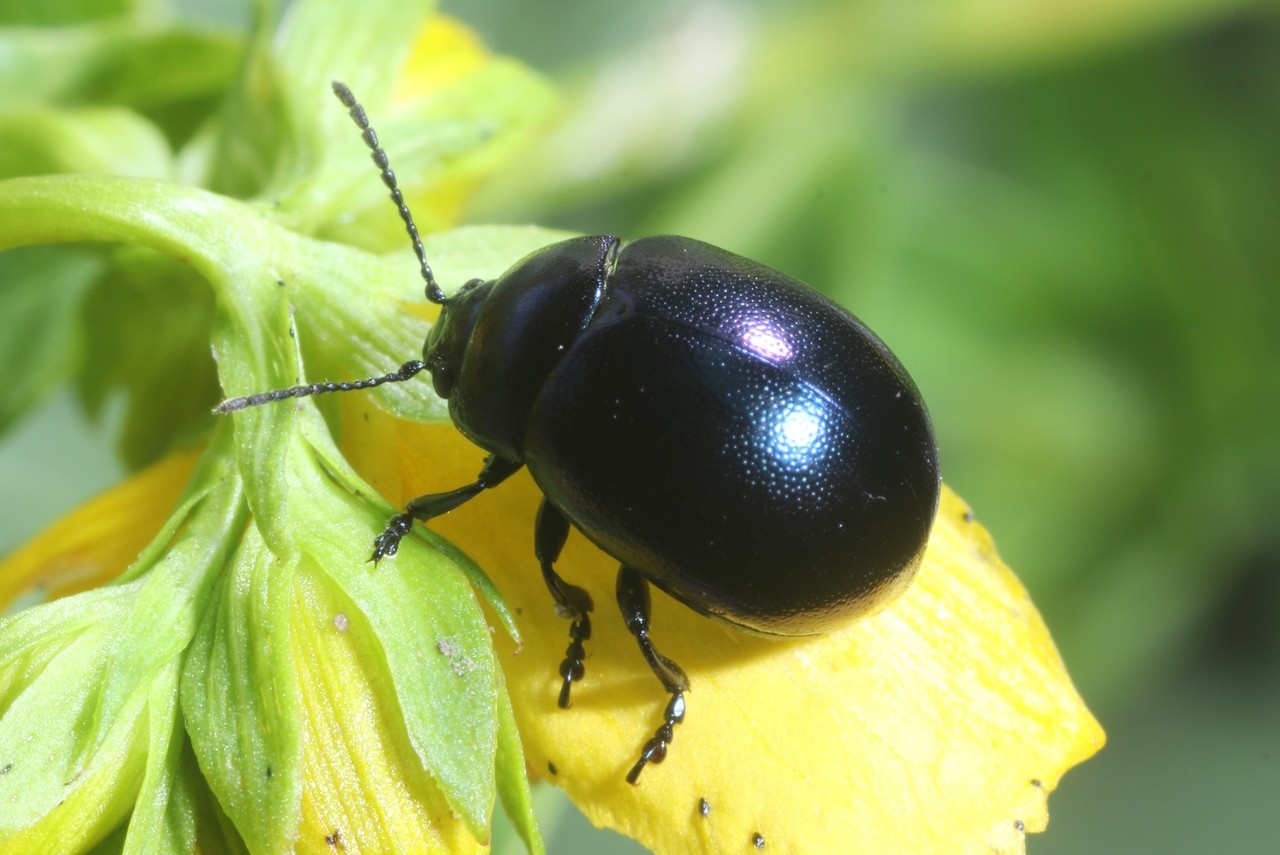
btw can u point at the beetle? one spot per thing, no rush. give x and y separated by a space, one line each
725 432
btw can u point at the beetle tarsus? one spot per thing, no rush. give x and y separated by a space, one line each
573 603
634 601
386 544
655 750
574 666
495 471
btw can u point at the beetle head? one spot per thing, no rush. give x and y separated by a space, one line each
447 342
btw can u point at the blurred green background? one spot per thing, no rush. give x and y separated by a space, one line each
1065 219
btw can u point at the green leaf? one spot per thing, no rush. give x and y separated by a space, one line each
201 640
245 257
40 297
112 140
62 12
147 327
485 252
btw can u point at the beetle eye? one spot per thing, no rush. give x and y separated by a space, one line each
442 374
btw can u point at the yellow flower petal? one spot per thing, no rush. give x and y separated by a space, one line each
445 51
356 794
939 724
96 542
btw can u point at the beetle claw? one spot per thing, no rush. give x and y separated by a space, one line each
388 543
655 750
574 666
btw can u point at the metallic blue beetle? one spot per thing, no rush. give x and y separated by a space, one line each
721 429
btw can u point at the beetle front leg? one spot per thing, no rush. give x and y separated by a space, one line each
552 530
633 599
495 471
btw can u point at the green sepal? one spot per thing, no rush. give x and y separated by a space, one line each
33 638
277 125
215 831
513 779
163 821
337 469
433 645
240 702
459 133
238 698
90 683
64 783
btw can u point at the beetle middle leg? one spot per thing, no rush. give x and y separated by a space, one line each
550 533
633 599
495 471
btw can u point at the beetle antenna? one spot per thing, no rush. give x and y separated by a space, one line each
370 137
405 371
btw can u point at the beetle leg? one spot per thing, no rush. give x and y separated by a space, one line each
633 599
572 602
495 471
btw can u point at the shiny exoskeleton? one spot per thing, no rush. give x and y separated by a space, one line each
724 431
